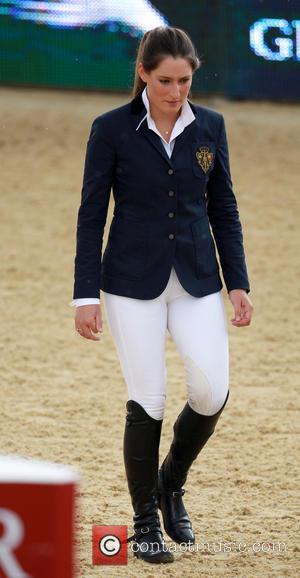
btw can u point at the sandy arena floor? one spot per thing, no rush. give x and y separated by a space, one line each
63 397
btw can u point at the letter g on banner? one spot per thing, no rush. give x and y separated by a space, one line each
283 45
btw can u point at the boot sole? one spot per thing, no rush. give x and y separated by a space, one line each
154 559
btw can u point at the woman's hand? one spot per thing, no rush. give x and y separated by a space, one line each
88 321
243 307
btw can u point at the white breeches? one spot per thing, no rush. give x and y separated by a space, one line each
198 327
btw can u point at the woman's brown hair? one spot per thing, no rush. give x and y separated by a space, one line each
158 43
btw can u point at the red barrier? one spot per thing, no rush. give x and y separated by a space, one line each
37 511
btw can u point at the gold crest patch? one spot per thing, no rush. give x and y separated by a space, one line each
205 158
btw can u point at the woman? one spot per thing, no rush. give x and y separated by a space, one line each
167 162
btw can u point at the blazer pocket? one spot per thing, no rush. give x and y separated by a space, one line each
203 158
205 252
125 256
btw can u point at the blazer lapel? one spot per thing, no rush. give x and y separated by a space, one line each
188 132
155 140
138 111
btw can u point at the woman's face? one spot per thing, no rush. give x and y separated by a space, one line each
168 85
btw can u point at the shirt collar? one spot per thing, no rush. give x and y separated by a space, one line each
186 117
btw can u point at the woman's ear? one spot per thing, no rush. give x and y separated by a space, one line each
142 72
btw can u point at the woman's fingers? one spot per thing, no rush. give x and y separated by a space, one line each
88 322
247 312
241 322
98 321
237 305
88 333
243 308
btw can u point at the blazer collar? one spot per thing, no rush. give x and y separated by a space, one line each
137 105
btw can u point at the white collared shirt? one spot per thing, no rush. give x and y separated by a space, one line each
186 117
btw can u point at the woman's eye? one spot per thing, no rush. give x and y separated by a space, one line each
182 81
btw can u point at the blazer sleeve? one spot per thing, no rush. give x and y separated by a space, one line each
224 218
92 214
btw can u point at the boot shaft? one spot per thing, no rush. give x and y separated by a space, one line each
141 457
191 432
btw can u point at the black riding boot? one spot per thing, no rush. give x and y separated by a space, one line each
141 450
191 432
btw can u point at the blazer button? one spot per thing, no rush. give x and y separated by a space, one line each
171 215
171 236
171 193
170 171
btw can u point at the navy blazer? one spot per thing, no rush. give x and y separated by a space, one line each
168 211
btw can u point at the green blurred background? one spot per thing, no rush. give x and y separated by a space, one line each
97 48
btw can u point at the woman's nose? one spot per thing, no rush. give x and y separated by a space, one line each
175 92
